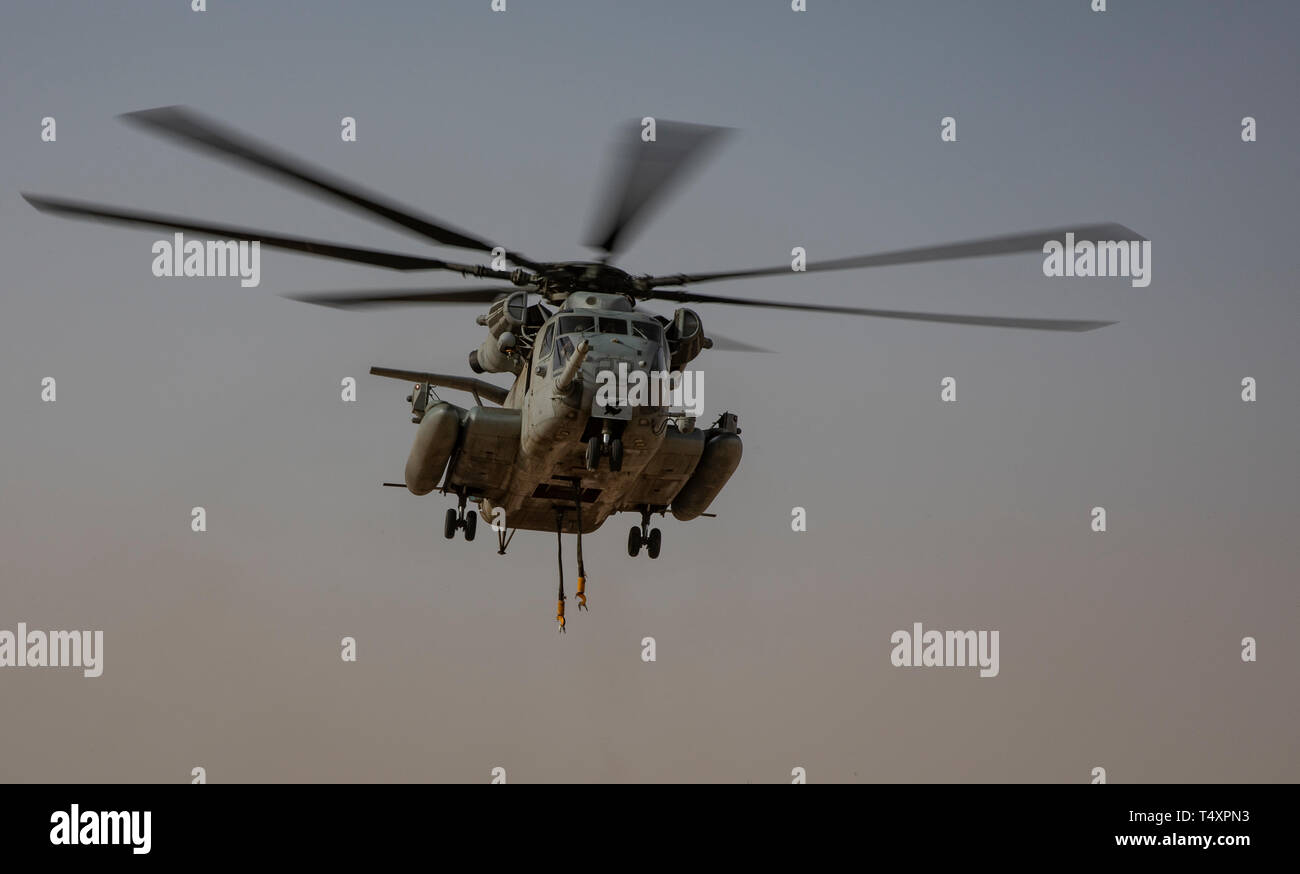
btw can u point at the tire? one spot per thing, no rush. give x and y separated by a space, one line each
653 543
449 525
593 454
634 541
616 454
471 525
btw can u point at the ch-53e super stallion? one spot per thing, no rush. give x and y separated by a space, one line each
548 453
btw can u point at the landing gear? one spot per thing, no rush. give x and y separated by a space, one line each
458 518
638 537
608 444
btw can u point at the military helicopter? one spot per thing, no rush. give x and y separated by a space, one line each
531 457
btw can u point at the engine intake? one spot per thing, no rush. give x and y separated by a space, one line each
510 313
685 335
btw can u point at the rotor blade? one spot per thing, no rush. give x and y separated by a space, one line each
991 321
191 128
370 299
726 344
80 209
1030 241
642 173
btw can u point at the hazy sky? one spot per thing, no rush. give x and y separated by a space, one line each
1119 650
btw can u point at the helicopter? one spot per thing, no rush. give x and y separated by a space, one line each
548 453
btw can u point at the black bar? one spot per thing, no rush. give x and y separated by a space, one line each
859 823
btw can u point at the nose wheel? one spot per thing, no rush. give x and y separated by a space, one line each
608 445
639 536
460 520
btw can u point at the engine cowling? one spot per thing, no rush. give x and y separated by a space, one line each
506 320
495 356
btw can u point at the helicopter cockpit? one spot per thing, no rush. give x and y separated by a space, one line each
563 333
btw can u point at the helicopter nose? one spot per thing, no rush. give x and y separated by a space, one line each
608 356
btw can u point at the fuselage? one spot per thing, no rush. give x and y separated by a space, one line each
564 451
556 424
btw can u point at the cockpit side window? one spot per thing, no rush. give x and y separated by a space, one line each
544 347
563 350
655 333
613 326
577 324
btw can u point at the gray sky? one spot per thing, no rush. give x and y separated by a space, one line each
1119 650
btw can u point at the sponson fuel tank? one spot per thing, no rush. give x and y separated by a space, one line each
434 442
717 464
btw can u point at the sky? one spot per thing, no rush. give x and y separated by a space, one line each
1119 650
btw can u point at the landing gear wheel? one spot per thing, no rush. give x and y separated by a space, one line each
634 541
593 453
471 525
616 454
652 543
450 525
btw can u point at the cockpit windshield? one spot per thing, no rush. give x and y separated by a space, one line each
648 331
577 324
612 326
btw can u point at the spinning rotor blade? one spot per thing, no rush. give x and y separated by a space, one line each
726 344
991 321
364 299
643 172
1030 241
193 129
80 209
